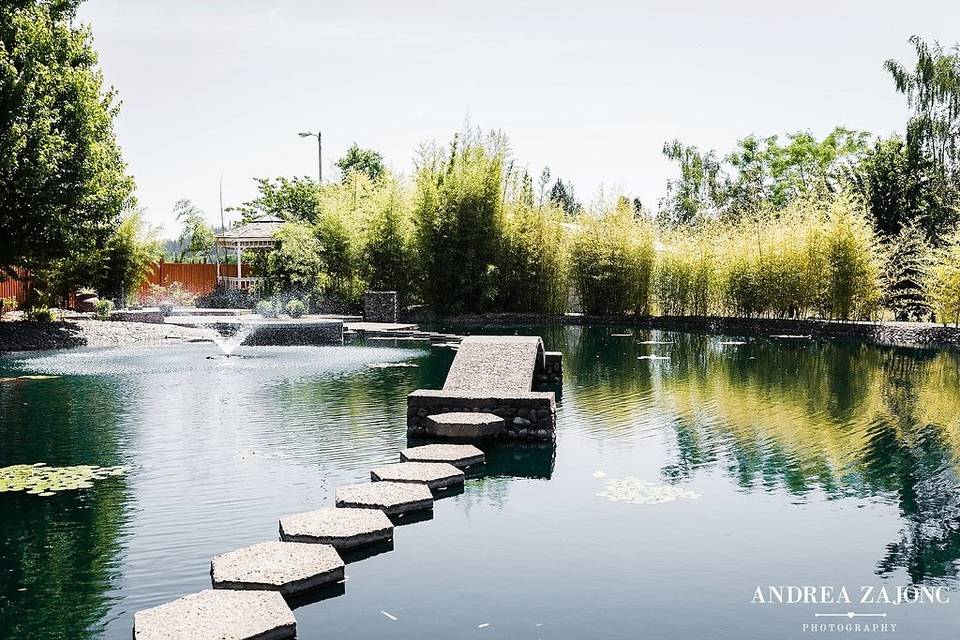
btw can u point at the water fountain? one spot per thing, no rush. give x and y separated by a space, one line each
231 331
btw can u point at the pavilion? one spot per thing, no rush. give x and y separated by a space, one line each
256 235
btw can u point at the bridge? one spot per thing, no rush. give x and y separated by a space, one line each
503 378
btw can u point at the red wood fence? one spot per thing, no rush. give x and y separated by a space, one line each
18 287
197 278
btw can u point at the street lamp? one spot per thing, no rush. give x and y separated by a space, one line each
308 134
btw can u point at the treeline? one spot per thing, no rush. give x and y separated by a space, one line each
840 227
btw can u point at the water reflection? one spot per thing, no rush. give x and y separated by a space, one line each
832 418
60 555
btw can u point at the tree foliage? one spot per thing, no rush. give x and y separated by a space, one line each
63 182
457 207
366 161
197 237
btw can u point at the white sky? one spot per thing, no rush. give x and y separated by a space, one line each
592 89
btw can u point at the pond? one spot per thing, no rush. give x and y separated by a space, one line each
689 470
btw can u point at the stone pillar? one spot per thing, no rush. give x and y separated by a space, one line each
380 306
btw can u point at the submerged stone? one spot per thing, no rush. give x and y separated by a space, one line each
464 424
218 615
287 567
343 528
459 455
390 497
435 475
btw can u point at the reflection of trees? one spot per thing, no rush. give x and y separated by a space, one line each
59 556
838 417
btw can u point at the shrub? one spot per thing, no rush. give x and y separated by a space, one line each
457 208
39 314
387 255
686 276
129 256
296 309
7 305
943 281
267 309
853 289
532 262
294 266
612 261
102 309
175 292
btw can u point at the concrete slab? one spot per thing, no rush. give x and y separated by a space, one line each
436 475
342 528
459 455
496 363
287 567
390 497
464 424
218 615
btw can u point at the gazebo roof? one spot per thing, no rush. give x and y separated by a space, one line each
258 233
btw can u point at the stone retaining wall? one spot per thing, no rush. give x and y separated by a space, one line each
528 416
897 334
39 336
380 306
552 375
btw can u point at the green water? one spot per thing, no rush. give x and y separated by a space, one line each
775 462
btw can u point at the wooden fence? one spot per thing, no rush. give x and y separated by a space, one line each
18 287
197 278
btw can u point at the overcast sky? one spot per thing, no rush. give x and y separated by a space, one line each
592 89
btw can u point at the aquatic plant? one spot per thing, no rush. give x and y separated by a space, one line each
39 479
633 490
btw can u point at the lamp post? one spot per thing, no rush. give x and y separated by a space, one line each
317 135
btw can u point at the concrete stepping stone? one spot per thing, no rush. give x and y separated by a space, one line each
287 567
342 528
218 615
459 455
392 498
464 424
436 475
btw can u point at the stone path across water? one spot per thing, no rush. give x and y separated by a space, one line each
247 602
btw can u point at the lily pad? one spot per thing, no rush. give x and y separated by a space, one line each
39 479
636 491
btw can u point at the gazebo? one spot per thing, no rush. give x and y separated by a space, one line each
257 235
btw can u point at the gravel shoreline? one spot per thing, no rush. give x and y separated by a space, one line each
42 336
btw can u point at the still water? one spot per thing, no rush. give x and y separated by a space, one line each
757 463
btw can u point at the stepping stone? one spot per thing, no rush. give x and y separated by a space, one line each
390 497
435 475
218 615
459 455
287 567
342 528
464 424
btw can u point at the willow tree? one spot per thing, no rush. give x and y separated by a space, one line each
932 89
63 182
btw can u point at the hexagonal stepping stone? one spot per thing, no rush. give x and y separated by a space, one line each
287 567
464 424
459 455
390 497
218 615
436 475
342 528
